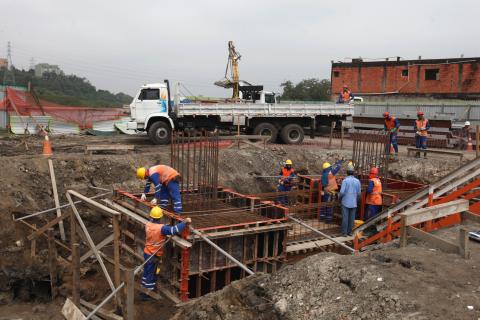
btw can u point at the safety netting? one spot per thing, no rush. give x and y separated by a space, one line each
23 103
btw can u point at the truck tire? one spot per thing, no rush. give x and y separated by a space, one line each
266 129
292 134
159 133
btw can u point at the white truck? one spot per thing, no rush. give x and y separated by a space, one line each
260 115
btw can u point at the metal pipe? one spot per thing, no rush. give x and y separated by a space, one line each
321 233
60 207
226 254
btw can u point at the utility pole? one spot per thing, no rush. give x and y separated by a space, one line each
9 75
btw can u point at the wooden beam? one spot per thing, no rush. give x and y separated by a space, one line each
463 240
89 239
433 240
130 294
52 263
99 246
50 224
150 293
316 244
71 312
61 244
469 216
102 312
94 203
434 212
55 198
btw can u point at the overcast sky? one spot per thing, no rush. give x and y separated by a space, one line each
119 45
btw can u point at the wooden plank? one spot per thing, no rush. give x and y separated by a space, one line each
316 244
245 231
130 294
102 312
463 243
56 200
448 152
99 246
150 293
89 240
403 232
168 294
71 312
52 263
469 216
434 212
33 247
47 226
433 240
109 147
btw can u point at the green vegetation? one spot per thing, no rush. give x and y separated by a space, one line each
68 89
306 90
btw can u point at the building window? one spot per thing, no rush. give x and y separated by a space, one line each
405 73
336 74
432 74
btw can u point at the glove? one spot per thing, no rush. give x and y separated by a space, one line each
418 133
154 201
143 197
188 220
423 129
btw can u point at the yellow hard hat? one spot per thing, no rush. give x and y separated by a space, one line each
326 165
141 173
350 163
156 212
288 161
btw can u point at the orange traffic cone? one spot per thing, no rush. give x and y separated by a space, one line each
47 148
469 145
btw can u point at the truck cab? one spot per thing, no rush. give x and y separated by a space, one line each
150 112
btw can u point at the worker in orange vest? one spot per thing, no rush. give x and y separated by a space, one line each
166 182
285 183
374 195
391 126
155 235
330 188
346 95
421 127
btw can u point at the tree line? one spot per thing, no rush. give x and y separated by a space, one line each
68 89
306 90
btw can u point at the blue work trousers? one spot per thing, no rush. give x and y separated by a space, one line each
372 211
149 279
326 212
348 219
420 142
393 143
168 192
283 199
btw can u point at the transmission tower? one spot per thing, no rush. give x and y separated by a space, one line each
9 75
32 63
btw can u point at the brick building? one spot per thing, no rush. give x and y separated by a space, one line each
439 78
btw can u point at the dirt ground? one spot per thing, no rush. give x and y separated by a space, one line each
26 188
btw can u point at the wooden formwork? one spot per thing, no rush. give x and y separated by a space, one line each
252 231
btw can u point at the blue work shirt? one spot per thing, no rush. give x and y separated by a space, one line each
334 169
350 192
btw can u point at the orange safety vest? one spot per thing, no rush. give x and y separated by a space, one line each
165 173
153 238
286 172
422 124
390 123
332 185
346 96
375 197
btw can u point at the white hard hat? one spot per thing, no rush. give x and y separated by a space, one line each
467 123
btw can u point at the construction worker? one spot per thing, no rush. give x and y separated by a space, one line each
155 234
421 127
285 183
463 136
166 182
374 194
346 95
349 195
391 125
330 188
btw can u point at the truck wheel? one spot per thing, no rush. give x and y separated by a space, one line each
159 133
292 134
266 129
